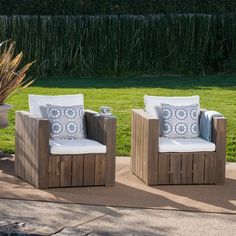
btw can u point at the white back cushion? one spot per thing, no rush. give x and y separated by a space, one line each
37 103
153 103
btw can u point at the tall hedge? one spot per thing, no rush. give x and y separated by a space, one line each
126 44
91 7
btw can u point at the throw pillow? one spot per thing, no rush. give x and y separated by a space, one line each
180 121
66 122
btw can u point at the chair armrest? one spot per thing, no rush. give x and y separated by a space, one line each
32 148
219 138
144 145
103 130
100 128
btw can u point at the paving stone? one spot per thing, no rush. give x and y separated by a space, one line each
18 217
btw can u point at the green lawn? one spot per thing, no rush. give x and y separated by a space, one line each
123 94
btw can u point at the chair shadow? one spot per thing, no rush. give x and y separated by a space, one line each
223 196
119 195
124 194
7 171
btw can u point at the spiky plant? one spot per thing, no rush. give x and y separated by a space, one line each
11 77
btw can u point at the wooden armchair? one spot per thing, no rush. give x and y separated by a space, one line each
36 165
161 168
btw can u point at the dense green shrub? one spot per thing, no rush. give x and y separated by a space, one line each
75 7
126 44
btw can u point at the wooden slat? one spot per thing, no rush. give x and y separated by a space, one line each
142 150
100 169
209 168
32 149
198 168
42 147
110 139
89 169
103 130
187 168
54 171
219 138
24 148
77 170
145 146
133 141
19 145
152 151
163 172
27 148
175 166
138 146
66 171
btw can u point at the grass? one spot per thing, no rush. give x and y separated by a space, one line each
125 93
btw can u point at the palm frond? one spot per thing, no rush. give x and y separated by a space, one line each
11 78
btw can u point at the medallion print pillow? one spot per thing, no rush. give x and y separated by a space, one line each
180 121
66 122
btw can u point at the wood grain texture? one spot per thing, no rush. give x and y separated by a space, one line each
32 149
187 168
174 168
66 171
34 164
209 168
164 168
198 168
219 138
100 169
110 129
144 146
54 172
89 170
103 130
77 170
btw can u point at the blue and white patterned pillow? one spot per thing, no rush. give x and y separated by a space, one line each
66 122
180 121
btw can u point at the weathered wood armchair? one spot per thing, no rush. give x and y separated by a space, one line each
49 163
160 161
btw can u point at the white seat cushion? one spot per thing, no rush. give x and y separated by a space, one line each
75 146
153 103
185 145
37 103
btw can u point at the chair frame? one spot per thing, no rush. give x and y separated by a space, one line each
155 168
34 164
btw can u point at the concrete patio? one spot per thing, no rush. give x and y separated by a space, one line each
42 218
128 208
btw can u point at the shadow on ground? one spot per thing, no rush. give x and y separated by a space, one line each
128 191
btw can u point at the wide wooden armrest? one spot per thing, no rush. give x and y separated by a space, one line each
144 114
141 118
219 129
103 129
144 145
32 147
219 138
100 128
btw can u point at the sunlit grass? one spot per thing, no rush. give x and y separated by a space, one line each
124 94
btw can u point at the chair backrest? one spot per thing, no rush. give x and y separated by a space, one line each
37 103
153 103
